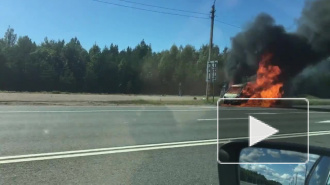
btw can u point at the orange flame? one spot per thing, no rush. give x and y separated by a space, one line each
266 85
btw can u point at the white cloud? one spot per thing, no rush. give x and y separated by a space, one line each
316 174
277 175
260 168
263 167
251 156
300 168
301 177
286 176
245 166
282 178
301 156
273 153
270 173
313 157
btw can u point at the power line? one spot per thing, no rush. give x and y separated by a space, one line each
166 8
228 24
162 12
168 13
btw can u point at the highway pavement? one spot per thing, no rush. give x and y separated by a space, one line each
132 144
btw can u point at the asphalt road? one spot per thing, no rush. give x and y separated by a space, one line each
130 145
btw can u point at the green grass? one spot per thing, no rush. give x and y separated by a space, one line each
319 102
313 100
201 102
161 102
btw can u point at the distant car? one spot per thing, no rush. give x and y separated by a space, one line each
235 91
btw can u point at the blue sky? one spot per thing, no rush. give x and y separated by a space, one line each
284 173
93 22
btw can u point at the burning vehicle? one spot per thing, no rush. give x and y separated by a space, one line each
234 91
266 85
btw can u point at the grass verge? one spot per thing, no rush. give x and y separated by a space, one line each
104 103
162 102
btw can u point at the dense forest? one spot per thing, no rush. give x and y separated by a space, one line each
59 66
255 178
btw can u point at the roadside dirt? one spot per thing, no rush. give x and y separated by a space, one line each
14 98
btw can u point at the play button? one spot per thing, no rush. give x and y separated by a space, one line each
259 131
287 121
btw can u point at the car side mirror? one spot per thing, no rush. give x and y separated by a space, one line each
257 164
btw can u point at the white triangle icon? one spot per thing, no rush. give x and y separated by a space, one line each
259 131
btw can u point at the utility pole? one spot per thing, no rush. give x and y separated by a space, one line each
210 48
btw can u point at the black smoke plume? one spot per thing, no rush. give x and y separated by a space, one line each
292 52
314 24
313 80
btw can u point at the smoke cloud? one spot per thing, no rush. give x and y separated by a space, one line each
313 80
314 24
292 52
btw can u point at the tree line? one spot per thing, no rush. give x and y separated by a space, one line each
60 66
255 178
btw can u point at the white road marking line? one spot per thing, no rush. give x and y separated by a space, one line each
102 153
207 107
298 112
93 111
251 109
325 121
263 113
310 112
136 148
104 149
147 110
121 110
214 119
104 106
